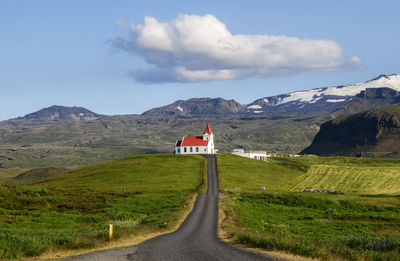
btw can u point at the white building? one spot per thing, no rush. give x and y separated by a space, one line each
196 144
260 155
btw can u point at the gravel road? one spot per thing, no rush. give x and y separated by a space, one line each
196 238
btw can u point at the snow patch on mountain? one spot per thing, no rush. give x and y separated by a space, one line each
312 96
255 107
179 108
335 100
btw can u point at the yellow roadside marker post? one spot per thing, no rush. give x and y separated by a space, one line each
110 232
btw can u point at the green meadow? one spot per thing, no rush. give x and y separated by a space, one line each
72 210
360 223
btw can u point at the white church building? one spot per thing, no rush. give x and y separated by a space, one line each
196 144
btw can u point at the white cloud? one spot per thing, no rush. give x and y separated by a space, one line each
195 48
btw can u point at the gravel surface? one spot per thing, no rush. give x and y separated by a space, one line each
196 238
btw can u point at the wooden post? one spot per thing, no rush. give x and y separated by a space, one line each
110 232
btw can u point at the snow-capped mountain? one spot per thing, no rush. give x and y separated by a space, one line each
317 100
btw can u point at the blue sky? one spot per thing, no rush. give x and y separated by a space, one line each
64 52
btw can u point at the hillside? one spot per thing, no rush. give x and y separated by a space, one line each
369 99
35 175
198 106
146 173
62 113
371 133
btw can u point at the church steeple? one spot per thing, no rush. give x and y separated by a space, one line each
208 129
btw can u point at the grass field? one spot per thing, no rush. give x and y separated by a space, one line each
363 223
349 175
73 210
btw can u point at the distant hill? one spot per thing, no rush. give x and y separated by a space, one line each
198 106
371 133
62 113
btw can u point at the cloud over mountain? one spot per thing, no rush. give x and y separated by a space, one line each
195 48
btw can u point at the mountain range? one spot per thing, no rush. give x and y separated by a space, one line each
339 100
314 101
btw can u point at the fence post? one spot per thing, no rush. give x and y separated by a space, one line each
110 232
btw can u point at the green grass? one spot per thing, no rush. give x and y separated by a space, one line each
68 212
361 224
250 175
349 175
317 227
147 173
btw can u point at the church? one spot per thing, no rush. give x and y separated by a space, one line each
196 144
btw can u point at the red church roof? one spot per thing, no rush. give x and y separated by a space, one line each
193 141
178 143
208 129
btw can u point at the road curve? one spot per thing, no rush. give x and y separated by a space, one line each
196 238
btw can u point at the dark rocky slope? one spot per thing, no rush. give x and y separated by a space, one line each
371 133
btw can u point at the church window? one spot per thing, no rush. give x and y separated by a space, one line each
197 149
184 149
191 149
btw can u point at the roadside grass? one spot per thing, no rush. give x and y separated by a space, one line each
49 216
356 225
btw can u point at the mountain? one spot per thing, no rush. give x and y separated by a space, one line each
369 99
62 113
198 106
371 133
325 100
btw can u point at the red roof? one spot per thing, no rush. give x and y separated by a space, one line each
178 143
208 129
193 141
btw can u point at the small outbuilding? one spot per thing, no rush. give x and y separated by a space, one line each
252 154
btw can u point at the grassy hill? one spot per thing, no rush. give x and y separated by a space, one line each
361 224
144 173
72 210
